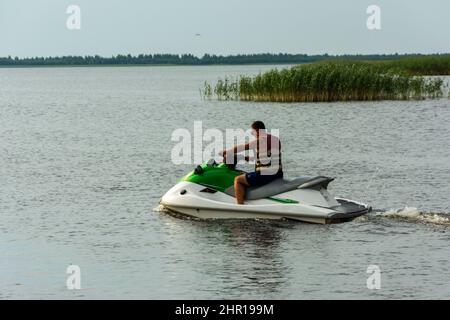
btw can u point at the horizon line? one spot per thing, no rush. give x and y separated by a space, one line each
200 56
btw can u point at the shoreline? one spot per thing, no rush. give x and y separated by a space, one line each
164 60
149 65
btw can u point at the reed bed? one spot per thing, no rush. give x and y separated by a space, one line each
427 65
332 81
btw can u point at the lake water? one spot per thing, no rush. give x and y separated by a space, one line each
85 158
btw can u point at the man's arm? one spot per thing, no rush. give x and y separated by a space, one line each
236 149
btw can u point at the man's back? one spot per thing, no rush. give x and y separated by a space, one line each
267 150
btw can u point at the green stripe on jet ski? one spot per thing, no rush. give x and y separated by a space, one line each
287 201
216 176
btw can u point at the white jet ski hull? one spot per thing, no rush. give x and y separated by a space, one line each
307 205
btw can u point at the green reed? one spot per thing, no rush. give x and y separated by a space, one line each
428 65
332 81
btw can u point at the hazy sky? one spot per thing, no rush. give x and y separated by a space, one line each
109 27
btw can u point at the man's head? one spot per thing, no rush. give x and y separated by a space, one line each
257 127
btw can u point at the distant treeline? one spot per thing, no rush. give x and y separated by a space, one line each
189 59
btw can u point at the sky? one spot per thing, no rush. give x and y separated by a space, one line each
110 27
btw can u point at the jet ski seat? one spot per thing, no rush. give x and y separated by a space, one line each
283 185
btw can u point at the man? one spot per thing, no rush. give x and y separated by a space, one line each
267 150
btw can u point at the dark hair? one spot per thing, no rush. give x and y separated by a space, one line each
258 125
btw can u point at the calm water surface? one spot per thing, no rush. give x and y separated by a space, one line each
85 157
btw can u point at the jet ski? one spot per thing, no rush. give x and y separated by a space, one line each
208 193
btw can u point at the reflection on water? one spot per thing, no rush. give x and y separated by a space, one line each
237 254
258 245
